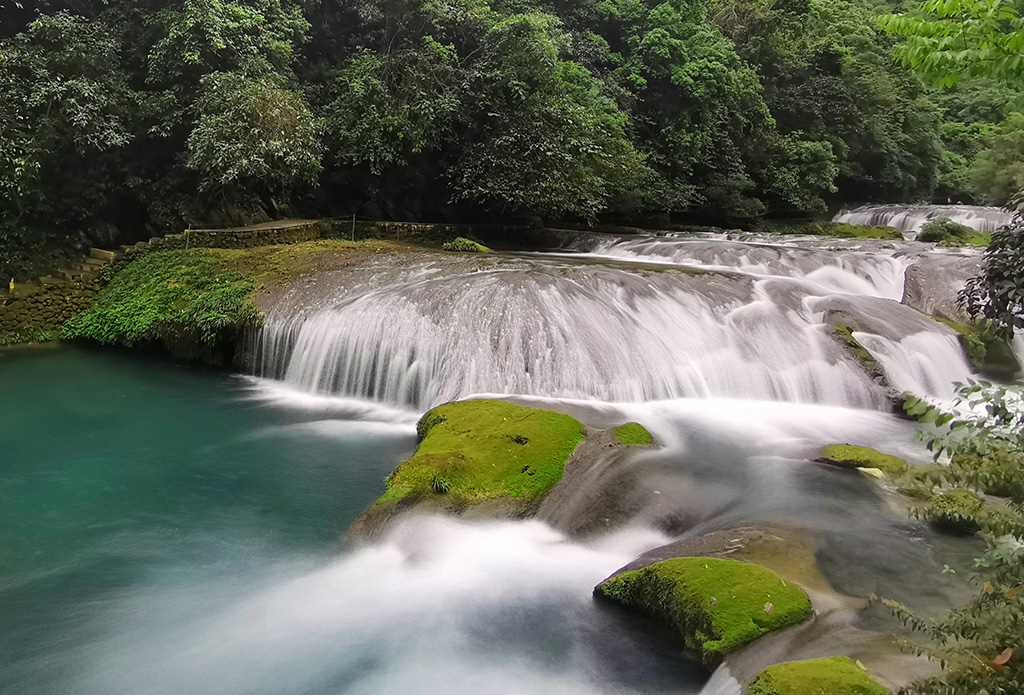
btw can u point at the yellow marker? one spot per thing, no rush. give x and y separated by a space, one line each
12 285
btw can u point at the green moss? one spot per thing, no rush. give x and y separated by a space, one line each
952 234
863 457
633 433
956 510
981 342
465 245
485 449
831 229
845 333
715 605
836 675
169 291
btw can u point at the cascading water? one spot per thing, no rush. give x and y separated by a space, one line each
910 219
728 319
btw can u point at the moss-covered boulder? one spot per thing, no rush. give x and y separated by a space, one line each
633 433
831 229
849 456
715 605
955 510
832 676
474 451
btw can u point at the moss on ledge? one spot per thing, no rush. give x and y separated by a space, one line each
830 229
633 433
479 450
715 605
849 456
986 350
176 295
832 676
464 245
845 334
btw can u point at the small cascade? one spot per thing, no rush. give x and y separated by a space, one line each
910 219
828 270
565 331
927 364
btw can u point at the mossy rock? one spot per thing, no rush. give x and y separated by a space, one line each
715 605
835 675
946 232
955 510
464 245
849 456
633 433
831 229
845 334
479 450
986 350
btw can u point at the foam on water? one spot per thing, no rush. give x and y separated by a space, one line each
440 606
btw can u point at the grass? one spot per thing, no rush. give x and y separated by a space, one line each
830 229
835 675
851 456
633 433
169 291
473 451
715 605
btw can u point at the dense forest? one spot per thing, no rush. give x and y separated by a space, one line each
121 118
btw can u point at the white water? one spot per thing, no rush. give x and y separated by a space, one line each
910 219
751 327
441 606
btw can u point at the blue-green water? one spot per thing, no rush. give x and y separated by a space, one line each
163 529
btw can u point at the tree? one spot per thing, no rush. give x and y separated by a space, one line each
540 137
997 173
946 40
252 136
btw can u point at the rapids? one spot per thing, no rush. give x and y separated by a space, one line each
910 219
177 531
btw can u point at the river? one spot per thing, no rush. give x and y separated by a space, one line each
168 529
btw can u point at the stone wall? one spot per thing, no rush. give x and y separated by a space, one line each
26 316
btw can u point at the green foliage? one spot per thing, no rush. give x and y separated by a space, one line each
835 675
169 291
845 334
979 341
252 135
715 605
947 39
486 450
29 334
633 433
996 294
394 106
541 137
981 442
465 246
997 172
949 233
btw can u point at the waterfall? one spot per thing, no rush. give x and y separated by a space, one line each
583 331
720 319
910 219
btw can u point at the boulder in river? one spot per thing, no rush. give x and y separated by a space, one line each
715 605
862 457
834 676
493 458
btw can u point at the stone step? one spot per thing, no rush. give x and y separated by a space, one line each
69 273
96 262
102 255
48 280
142 245
125 248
